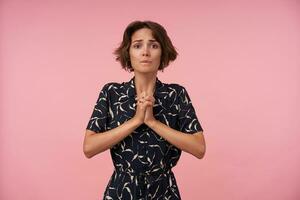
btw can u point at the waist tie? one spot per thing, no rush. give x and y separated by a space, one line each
145 179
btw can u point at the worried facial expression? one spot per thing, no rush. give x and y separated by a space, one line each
144 51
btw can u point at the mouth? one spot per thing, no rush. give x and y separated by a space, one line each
146 61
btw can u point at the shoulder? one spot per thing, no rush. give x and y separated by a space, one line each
111 85
176 87
115 87
177 91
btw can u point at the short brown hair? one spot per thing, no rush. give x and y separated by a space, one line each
159 33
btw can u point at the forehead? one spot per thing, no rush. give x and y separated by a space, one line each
142 34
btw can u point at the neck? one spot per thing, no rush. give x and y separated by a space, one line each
145 83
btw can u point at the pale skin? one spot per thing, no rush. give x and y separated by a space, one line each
144 47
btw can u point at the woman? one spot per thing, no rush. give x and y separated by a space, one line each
145 123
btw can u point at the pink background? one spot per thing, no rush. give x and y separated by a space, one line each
238 60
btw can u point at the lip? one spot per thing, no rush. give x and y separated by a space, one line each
145 61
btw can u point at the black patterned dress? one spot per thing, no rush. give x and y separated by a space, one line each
143 160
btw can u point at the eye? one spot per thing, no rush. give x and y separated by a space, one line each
155 46
136 46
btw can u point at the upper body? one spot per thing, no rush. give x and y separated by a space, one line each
144 148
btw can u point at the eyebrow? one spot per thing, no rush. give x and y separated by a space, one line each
142 40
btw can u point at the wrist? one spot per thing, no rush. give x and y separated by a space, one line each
136 121
151 123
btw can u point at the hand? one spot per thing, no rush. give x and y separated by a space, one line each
141 106
149 118
144 110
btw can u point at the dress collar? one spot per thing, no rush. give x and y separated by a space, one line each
130 87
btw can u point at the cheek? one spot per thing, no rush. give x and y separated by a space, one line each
132 55
158 56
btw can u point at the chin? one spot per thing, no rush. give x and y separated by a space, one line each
145 70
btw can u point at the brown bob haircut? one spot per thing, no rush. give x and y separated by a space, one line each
159 33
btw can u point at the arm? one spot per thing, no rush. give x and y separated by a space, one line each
191 143
95 143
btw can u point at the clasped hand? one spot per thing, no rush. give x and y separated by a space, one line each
144 108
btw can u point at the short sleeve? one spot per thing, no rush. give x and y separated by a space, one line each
187 118
98 119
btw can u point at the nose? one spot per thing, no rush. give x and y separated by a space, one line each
145 51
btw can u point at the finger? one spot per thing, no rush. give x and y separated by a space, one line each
141 100
152 99
139 96
144 101
143 94
149 103
149 97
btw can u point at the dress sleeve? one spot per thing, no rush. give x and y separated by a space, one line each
98 119
187 118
